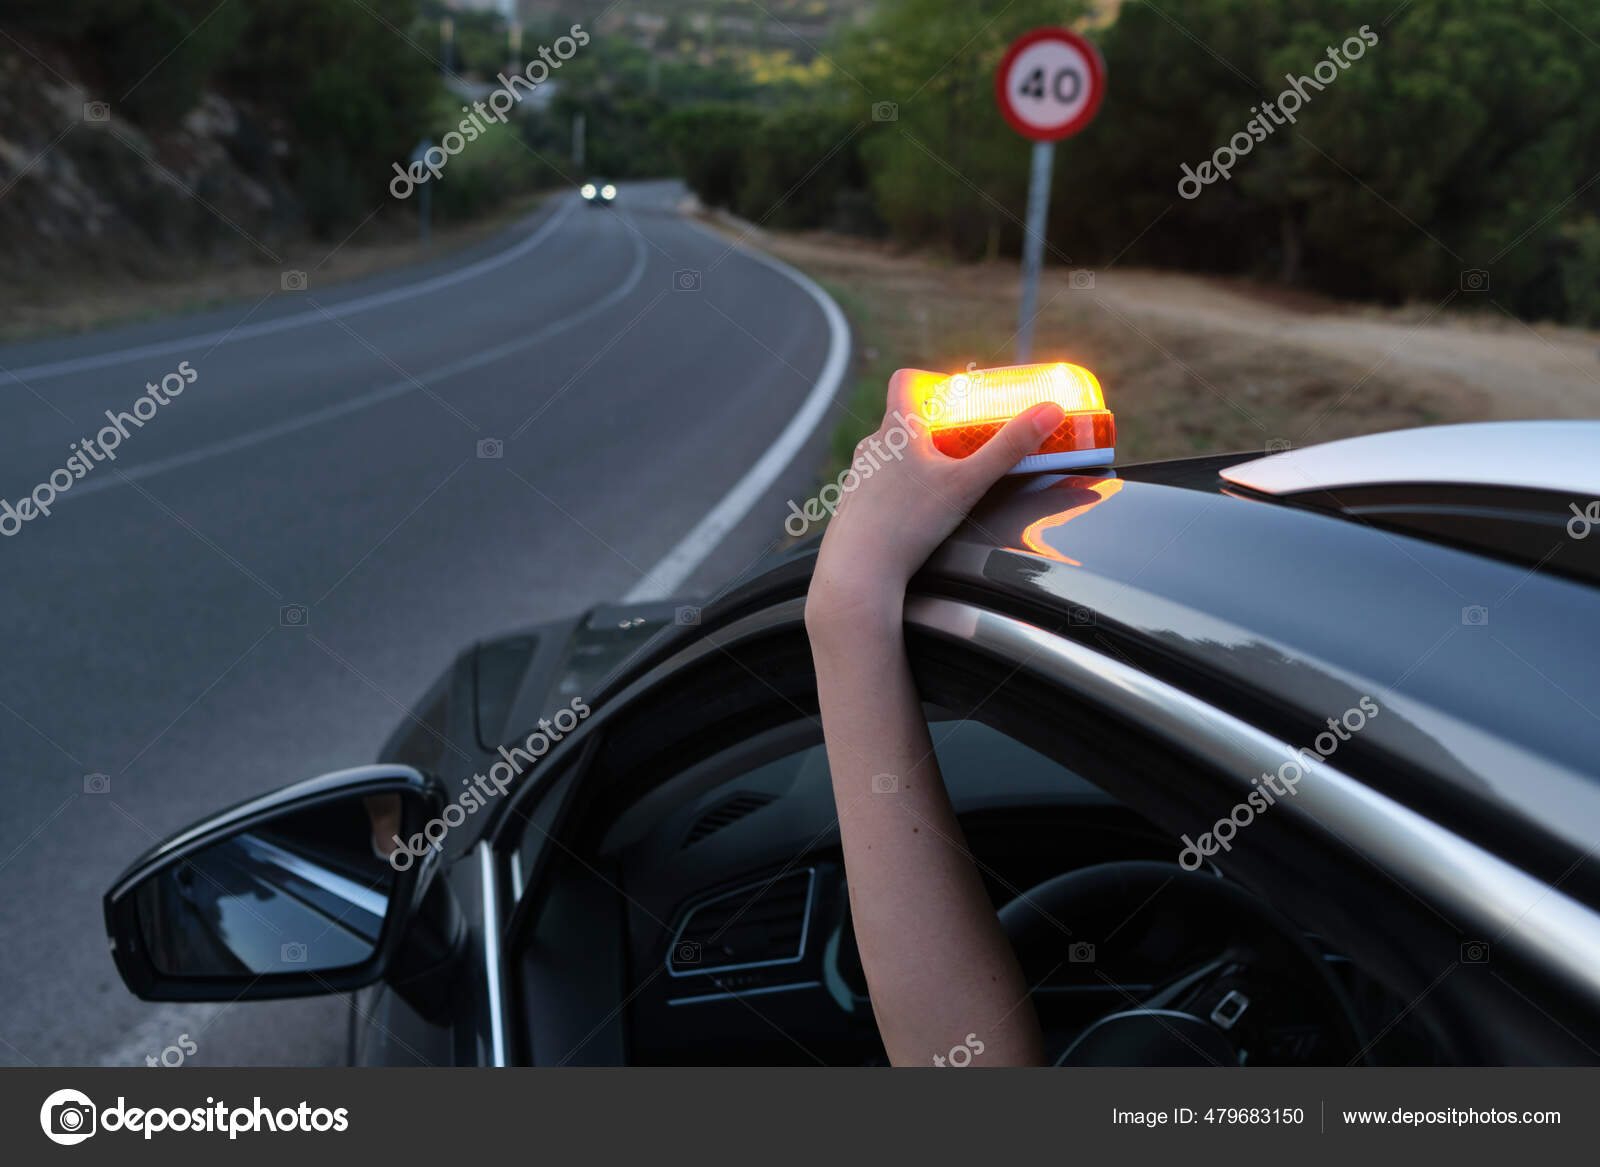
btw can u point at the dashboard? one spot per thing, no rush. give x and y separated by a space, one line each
737 944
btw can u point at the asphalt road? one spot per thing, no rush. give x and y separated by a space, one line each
326 460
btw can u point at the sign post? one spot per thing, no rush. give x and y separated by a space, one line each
425 195
1049 86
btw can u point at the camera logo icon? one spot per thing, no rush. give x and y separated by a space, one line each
491 448
1081 617
1279 445
686 616
294 616
1081 953
885 111
686 279
885 784
1475 616
1581 522
67 1117
686 952
1475 952
1081 280
97 783
1474 279
294 281
96 111
293 952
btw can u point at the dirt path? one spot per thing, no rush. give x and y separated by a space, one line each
1524 370
1202 364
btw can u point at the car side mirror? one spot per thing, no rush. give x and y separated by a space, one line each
285 895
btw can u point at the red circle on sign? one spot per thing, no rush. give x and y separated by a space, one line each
1097 84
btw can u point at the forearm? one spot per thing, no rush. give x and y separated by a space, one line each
938 966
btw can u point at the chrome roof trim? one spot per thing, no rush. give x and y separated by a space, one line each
1503 903
1560 456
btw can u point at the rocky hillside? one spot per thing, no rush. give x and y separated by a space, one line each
84 189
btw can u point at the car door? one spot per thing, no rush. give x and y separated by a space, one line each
569 953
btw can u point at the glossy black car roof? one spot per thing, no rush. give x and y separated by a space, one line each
1485 670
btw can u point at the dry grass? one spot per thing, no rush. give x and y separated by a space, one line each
1179 386
1192 364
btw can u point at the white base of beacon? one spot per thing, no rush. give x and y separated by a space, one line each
1065 460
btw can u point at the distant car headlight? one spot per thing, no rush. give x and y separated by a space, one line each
587 190
608 191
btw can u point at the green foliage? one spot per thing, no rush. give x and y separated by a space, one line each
709 142
159 54
1464 139
797 162
489 170
624 92
947 170
350 115
350 121
1451 144
1580 270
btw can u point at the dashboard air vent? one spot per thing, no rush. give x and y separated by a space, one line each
760 924
730 810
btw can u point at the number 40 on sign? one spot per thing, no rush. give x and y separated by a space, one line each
1049 86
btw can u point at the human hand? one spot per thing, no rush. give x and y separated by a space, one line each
908 500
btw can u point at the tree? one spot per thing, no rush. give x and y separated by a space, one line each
1450 144
944 166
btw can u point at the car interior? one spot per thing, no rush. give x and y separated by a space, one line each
717 866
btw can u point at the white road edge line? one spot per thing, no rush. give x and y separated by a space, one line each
299 319
667 576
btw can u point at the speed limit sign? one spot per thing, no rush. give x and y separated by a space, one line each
1050 84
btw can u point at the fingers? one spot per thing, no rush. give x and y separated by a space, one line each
1018 438
905 390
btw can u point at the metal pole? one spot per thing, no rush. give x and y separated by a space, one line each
1033 245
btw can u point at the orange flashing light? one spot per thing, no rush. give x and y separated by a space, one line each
965 410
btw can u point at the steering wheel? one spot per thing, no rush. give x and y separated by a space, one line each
1207 974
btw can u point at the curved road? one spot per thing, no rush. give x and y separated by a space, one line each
654 397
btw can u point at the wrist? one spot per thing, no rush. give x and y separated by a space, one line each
840 609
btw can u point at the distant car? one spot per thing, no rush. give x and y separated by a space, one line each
1269 761
602 195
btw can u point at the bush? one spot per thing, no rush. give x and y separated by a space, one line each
486 173
160 54
1451 144
708 141
946 170
351 122
796 164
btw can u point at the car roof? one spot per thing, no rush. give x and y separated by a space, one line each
1557 456
1485 670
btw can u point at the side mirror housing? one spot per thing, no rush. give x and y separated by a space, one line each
287 895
